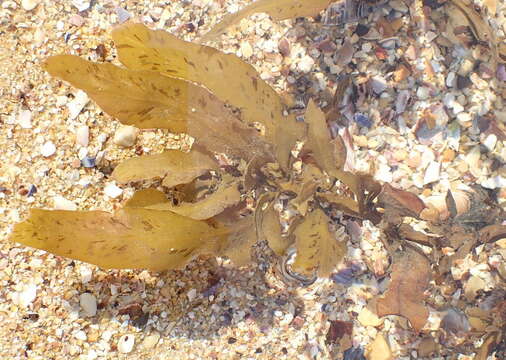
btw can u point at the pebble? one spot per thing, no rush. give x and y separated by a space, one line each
192 294
26 296
126 343
76 20
378 84
81 335
25 119
432 172
29 5
60 203
150 341
112 190
88 162
81 5
82 135
88 303
122 14
246 49
368 318
306 64
47 149
125 136
77 104
490 142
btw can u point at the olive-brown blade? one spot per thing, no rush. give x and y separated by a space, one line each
320 143
132 238
317 247
277 9
174 166
225 196
147 100
225 75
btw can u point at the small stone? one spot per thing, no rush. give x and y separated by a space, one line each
473 161
306 64
77 104
465 67
25 119
192 294
379 349
150 341
88 303
82 135
60 203
464 119
122 14
29 5
284 47
402 101
26 296
47 149
126 343
81 5
125 136
448 155
401 73
400 155
86 273
88 162
490 142
362 120
450 79
368 318
76 20
423 93
246 49
81 335
463 82
112 190
432 173
361 30
378 84
473 285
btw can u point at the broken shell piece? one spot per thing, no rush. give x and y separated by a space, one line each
438 202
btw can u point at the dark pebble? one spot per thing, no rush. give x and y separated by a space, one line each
361 30
354 353
362 120
232 340
32 190
463 82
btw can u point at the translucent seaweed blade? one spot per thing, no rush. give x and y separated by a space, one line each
228 77
317 247
277 9
147 100
174 166
132 238
225 196
320 143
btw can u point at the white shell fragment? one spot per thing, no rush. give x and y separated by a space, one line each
47 149
26 296
126 343
60 203
81 5
82 136
88 303
77 104
112 190
25 119
432 172
125 136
